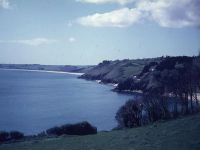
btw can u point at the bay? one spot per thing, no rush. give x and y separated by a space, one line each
31 102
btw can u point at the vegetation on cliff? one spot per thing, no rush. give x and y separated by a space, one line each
118 70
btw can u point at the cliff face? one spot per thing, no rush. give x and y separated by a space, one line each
117 71
157 75
165 76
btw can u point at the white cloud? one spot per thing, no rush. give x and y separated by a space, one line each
31 42
172 13
117 18
122 2
71 39
167 13
5 4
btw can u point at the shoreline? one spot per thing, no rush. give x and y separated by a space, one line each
45 71
114 85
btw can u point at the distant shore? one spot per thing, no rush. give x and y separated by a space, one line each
47 71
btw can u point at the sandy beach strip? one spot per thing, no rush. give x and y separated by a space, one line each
46 71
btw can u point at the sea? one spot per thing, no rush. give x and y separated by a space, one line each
33 101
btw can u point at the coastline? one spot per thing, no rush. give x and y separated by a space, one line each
114 85
45 71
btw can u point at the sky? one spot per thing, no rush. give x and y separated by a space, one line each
86 32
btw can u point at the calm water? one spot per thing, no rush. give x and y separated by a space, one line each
34 101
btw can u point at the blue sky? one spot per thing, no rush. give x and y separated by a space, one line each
81 32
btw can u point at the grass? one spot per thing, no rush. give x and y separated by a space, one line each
180 134
117 71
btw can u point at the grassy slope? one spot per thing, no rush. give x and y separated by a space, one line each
118 70
183 134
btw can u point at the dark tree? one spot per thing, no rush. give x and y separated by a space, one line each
4 136
16 135
82 128
54 131
129 115
157 107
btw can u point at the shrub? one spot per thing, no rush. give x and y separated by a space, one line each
157 107
4 136
141 111
16 135
54 131
147 68
129 115
125 85
82 128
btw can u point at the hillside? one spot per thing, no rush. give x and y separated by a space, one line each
177 134
156 75
165 76
118 70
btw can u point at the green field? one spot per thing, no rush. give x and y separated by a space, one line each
180 134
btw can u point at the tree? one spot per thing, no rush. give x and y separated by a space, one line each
4 136
157 107
145 109
82 128
129 115
54 131
16 135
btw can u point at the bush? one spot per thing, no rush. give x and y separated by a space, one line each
157 107
147 68
129 115
16 135
126 85
82 128
13 135
4 136
141 111
54 131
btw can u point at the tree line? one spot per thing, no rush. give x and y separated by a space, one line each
171 90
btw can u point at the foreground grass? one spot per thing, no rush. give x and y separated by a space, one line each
180 134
